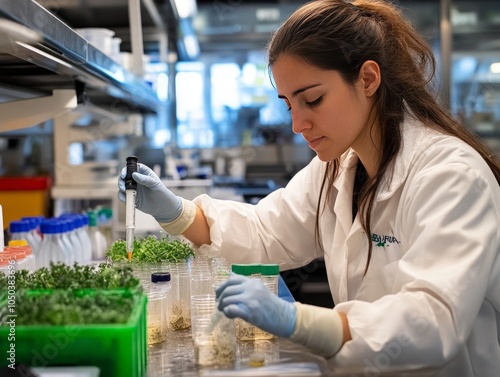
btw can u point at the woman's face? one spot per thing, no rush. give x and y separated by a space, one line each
330 116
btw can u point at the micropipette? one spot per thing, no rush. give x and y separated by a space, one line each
130 194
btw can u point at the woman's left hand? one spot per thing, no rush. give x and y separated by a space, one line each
250 300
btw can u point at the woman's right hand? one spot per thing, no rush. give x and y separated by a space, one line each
153 197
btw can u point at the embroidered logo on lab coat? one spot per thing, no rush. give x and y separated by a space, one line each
383 241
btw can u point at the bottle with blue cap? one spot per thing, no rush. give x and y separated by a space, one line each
20 230
35 230
76 245
53 247
82 236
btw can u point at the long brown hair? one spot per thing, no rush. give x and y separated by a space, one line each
341 36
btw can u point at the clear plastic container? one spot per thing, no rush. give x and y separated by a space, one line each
157 307
220 269
202 307
258 353
201 282
180 297
215 345
245 330
269 274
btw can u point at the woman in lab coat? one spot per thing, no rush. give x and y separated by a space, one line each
401 201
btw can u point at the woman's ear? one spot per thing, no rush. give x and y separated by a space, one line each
369 75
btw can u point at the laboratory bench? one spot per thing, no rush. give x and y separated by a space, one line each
175 357
282 357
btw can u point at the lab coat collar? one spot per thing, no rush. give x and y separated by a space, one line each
412 133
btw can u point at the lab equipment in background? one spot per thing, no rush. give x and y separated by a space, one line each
24 196
131 193
89 144
100 38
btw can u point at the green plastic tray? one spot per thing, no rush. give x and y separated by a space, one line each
118 350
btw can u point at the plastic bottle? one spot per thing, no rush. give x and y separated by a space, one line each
82 237
97 238
21 230
53 248
70 249
35 231
76 243
157 307
86 232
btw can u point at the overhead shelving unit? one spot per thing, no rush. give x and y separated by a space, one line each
43 59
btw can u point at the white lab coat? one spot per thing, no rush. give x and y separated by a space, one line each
431 296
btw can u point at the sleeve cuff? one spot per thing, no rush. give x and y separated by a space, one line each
184 221
319 329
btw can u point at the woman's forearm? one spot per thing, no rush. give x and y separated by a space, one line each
199 231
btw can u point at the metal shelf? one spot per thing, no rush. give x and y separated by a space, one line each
41 53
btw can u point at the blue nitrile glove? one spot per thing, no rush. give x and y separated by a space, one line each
152 195
250 300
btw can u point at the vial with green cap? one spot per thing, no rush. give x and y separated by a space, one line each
245 330
269 274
